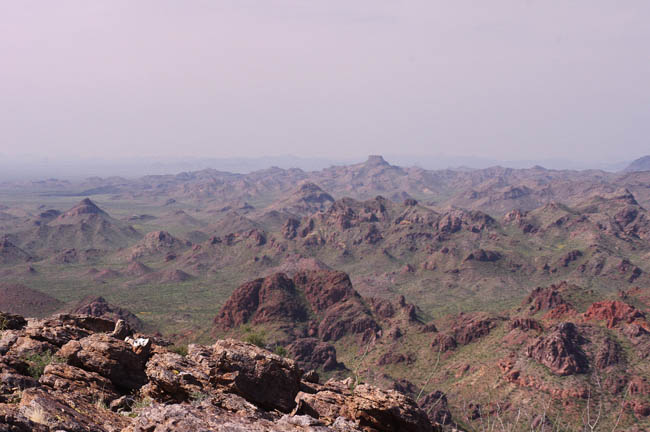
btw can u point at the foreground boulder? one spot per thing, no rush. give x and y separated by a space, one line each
64 411
371 407
109 357
226 413
99 382
261 377
11 322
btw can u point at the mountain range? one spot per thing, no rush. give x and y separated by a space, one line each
495 294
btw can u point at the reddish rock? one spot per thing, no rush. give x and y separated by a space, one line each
569 257
374 409
526 324
273 298
290 228
542 299
11 322
443 342
346 318
174 378
111 358
325 288
609 354
560 351
383 308
429 328
69 379
310 353
277 298
559 312
65 411
639 386
468 328
641 408
99 307
261 377
437 408
483 255
613 312
396 358
11 420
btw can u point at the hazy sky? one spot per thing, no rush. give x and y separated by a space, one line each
499 79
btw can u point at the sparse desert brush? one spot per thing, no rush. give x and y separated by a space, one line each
179 349
280 350
256 338
38 362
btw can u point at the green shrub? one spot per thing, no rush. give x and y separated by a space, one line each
179 349
37 363
280 350
197 397
256 339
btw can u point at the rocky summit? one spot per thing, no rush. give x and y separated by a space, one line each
83 373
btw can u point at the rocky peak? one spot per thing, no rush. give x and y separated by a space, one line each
309 188
376 160
560 350
280 299
85 207
99 307
543 299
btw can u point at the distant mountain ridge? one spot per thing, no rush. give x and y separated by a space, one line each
640 164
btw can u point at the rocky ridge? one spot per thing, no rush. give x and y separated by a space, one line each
83 373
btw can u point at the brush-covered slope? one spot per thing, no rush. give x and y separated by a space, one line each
84 226
562 351
20 299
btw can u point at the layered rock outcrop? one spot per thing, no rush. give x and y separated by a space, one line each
324 296
560 350
80 376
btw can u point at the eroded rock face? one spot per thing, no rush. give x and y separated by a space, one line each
11 420
468 328
95 378
63 411
609 354
99 307
259 376
381 410
324 289
483 255
109 357
345 318
228 413
543 299
11 322
560 351
526 324
280 299
436 406
174 378
613 312
443 343
70 379
310 353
